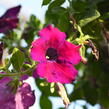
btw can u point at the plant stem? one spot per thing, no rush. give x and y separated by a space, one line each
18 74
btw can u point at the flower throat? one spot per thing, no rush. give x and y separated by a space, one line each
51 54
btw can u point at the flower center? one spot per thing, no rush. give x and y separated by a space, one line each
51 54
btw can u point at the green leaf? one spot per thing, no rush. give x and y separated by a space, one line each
17 59
84 107
46 2
104 98
90 93
79 5
89 17
76 94
45 102
63 22
53 15
55 3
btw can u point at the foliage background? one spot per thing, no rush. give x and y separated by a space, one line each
92 16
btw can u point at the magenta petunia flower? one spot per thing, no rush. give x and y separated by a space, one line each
55 55
9 20
22 99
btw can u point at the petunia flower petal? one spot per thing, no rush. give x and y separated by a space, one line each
24 97
54 72
9 20
6 96
12 12
8 24
69 52
38 50
24 77
53 36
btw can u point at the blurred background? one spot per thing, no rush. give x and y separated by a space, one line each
91 90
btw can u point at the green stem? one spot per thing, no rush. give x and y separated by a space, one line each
18 74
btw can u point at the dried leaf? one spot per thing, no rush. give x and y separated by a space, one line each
63 94
95 52
84 60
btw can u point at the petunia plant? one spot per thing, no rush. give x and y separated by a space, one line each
62 51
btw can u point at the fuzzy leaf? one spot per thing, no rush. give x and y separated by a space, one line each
17 59
90 16
46 2
45 102
63 94
56 3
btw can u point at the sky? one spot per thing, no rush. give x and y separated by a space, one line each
34 7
